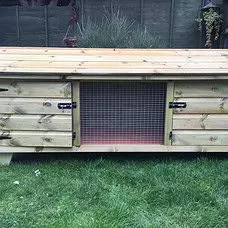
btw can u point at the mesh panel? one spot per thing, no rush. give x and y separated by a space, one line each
122 112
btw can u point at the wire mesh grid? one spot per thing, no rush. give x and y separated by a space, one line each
122 112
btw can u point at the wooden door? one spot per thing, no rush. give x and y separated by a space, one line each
204 121
33 114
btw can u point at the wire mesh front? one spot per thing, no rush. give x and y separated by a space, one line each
122 112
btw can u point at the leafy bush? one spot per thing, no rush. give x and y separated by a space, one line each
115 31
213 24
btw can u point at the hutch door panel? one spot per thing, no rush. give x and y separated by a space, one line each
33 114
204 120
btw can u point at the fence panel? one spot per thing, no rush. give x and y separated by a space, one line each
131 8
31 21
185 31
58 19
157 18
172 20
93 10
8 26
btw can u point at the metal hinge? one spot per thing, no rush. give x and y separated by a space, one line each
74 135
177 105
3 90
170 135
67 105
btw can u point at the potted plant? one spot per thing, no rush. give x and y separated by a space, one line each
210 20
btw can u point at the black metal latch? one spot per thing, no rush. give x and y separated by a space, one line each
177 105
67 105
170 135
2 137
3 90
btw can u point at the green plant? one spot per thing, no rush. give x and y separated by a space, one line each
115 30
213 22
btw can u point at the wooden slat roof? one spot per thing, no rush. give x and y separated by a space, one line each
113 61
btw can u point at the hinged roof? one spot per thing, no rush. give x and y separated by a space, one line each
35 60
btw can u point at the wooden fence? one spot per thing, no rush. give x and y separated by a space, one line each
172 20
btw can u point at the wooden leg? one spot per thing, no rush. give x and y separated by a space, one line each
5 158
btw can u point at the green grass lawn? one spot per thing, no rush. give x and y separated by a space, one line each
115 192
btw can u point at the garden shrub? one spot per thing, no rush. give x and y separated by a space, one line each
115 30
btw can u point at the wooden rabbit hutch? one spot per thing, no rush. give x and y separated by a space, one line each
113 100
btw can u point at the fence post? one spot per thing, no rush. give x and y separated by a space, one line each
141 13
200 34
46 25
18 23
82 13
171 23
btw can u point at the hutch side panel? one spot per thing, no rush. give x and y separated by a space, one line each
204 121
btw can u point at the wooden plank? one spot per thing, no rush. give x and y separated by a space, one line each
201 89
132 70
76 114
34 89
198 149
117 64
115 70
36 122
198 137
203 105
30 77
168 113
108 61
154 77
112 58
115 148
122 51
203 122
145 77
32 106
36 138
